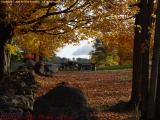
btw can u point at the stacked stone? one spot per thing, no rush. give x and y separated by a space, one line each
17 93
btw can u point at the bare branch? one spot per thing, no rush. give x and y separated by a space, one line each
134 5
45 30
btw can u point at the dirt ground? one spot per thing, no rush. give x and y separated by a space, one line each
102 88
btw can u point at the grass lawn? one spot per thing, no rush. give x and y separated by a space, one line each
115 67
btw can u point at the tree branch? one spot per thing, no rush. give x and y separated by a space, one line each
130 17
48 14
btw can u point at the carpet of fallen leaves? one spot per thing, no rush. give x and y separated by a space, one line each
102 88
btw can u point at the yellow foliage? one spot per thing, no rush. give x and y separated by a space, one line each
112 60
42 28
12 49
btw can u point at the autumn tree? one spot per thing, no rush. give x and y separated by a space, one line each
99 54
146 92
60 21
42 27
116 26
46 24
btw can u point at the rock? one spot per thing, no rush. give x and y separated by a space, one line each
63 100
18 104
17 93
20 83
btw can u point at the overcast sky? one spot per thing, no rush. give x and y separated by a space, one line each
76 51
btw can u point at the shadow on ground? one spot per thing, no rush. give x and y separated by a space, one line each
119 107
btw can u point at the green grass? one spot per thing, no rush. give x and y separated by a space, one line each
102 107
115 67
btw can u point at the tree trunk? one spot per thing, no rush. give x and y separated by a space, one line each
154 69
137 64
158 95
6 33
5 58
7 61
141 57
147 23
2 49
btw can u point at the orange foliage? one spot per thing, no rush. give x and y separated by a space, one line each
103 89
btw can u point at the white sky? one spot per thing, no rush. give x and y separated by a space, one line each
76 51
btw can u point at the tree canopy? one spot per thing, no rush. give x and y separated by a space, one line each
41 27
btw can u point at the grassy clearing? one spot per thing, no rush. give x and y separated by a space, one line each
116 67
